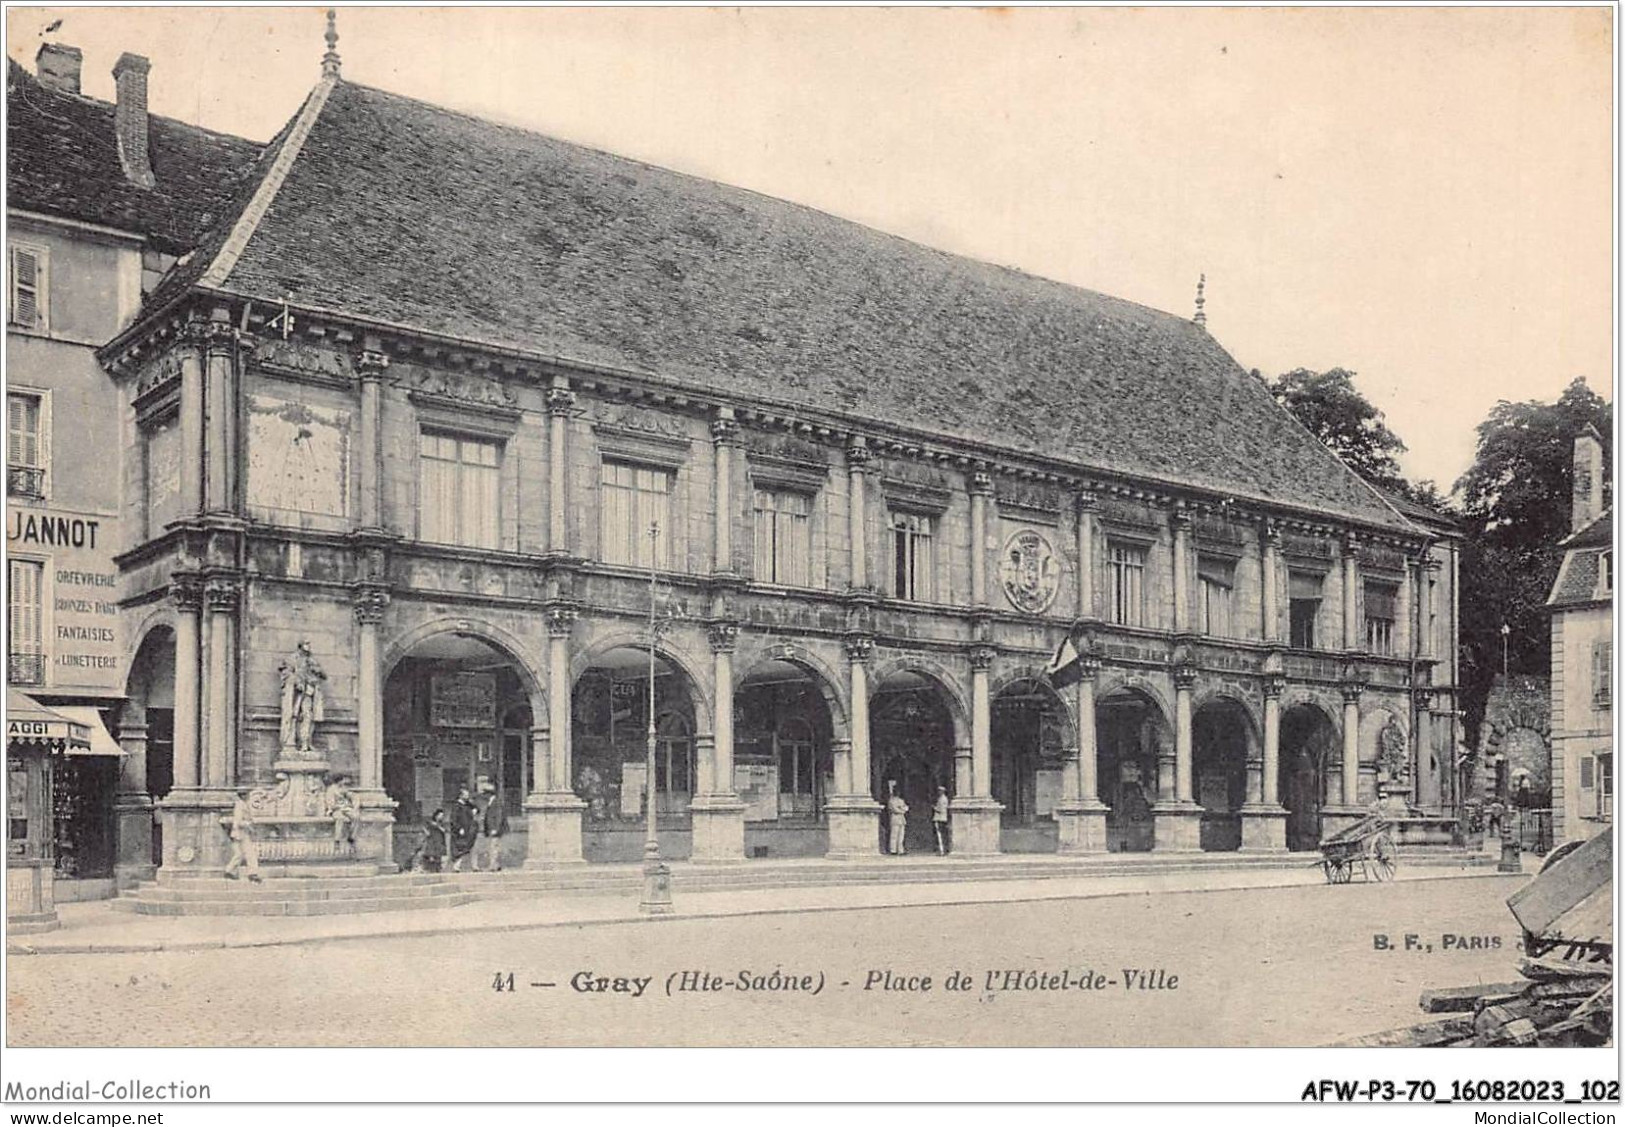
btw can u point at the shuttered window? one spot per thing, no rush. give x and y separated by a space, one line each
1125 582
25 638
28 287
634 498
783 537
1303 608
1602 673
459 490
912 558
1605 786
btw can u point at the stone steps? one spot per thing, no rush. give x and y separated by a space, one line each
340 894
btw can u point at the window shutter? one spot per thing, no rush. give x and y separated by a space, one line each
25 279
1587 773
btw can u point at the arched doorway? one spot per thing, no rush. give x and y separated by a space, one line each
911 745
1029 738
147 720
783 770
1221 738
1130 732
1309 750
457 713
609 732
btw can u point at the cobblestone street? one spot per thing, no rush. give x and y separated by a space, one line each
1276 966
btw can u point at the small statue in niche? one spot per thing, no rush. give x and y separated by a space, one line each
302 680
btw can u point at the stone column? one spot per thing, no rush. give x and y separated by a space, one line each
560 405
1263 826
220 433
132 805
1404 611
724 432
187 593
1425 781
854 816
975 815
1351 590
1086 554
1081 816
1351 744
1181 525
1270 567
191 421
194 841
369 705
718 816
1425 574
369 371
857 461
981 488
220 744
553 817
1177 825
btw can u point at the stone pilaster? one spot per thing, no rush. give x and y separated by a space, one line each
1353 640
1270 571
853 814
1086 553
553 816
1180 523
981 488
561 403
132 805
370 366
1081 816
857 464
724 434
1263 823
718 817
222 594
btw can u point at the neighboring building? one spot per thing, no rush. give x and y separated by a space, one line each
419 395
1582 610
102 200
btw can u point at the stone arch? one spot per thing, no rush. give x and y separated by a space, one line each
952 696
1317 700
1133 683
160 615
823 677
1031 671
531 669
668 649
1221 695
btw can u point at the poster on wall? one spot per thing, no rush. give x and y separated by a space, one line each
463 700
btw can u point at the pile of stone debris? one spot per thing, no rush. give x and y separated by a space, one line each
1566 994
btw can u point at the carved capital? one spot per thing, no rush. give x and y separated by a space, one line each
222 593
1087 500
981 484
1180 519
218 336
1088 667
1274 684
857 453
186 591
859 647
1270 533
1424 699
723 636
561 401
370 364
1352 691
369 603
1351 545
724 431
560 620
981 657
1185 677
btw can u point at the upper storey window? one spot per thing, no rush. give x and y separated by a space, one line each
1125 583
636 497
1303 609
1381 616
783 537
1216 595
459 490
25 444
912 555
28 304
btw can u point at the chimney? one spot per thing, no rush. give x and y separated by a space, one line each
57 65
1587 477
130 118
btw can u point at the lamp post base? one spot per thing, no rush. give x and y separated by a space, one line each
656 883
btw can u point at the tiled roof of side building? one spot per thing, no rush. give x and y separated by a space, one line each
1576 581
62 159
399 212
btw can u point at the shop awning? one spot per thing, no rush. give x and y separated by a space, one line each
101 743
30 722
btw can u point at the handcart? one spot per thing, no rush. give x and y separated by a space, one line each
1364 848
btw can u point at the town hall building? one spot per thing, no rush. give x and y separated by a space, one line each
444 409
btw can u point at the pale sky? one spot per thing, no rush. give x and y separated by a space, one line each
1420 195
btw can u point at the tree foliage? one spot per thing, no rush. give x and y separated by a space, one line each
1328 404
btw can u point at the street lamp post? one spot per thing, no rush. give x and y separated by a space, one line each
1506 632
656 874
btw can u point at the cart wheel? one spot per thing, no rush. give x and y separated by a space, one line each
1384 857
1330 869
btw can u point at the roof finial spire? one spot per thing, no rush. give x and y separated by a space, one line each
1201 302
330 61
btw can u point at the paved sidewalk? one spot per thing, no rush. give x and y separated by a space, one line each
96 928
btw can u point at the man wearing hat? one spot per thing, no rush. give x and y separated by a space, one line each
244 852
939 820
493 825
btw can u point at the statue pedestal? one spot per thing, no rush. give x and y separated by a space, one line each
295 831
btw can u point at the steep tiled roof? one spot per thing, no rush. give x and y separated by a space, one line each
1577 577
401 212
62 160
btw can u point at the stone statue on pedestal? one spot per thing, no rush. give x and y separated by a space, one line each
302 680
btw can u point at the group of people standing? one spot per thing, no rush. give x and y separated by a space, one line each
896 810
471 833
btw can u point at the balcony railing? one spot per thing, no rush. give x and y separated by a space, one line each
25 481
25 668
